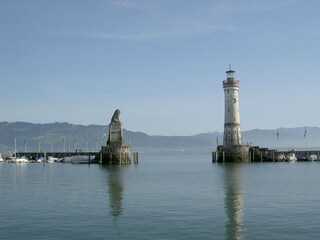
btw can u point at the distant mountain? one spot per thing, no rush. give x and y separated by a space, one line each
92 137
144 142
288 137
43 134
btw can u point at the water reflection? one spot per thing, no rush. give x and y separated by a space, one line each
233 201
116 189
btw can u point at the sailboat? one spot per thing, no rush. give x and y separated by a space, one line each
291 157
313 157
16 159
21 160
52 159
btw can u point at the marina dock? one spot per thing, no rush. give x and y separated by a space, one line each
36 155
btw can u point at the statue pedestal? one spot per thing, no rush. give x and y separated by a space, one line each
115 155
115 138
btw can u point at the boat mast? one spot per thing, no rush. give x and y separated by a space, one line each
15 147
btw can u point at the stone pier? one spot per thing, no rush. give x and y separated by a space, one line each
236 153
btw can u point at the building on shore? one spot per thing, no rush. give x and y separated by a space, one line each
232 149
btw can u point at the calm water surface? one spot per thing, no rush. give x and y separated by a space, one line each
166 196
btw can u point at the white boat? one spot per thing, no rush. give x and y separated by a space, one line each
52 159
83 159
281 157
19 160
1 159
16 159
66 159
313 157
40 159
79 159
291 157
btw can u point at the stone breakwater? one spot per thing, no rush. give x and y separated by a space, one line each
245 153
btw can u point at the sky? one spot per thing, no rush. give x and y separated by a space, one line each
161 62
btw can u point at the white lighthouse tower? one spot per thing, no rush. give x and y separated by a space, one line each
232 149
232 133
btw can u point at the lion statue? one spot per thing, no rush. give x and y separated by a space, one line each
115 117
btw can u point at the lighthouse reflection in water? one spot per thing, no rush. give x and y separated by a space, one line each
233 201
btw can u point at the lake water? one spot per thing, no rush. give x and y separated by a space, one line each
166 196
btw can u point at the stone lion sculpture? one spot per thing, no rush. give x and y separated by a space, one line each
115 117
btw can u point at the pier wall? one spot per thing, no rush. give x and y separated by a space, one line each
115 155
236 153
257 154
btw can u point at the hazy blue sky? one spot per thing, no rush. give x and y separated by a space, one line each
161 62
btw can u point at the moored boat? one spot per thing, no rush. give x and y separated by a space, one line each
66 160
313 157
291 157
302 159
83 159
80 159
19 160
52 159
281 157
40 159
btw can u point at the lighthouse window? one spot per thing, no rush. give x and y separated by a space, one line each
228 109
228 90
233 90
234 119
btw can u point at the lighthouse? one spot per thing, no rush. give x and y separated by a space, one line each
232 133
232 149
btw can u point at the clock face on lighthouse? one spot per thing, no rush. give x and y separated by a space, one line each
234 100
